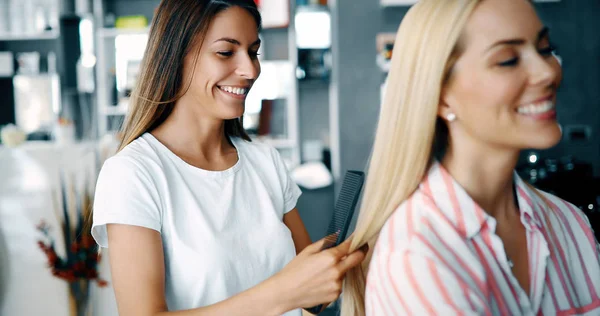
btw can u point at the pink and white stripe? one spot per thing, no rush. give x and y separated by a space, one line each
438 254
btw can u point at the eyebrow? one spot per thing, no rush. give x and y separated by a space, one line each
517 41
236 42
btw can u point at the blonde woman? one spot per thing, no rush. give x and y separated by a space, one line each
199 220
473 82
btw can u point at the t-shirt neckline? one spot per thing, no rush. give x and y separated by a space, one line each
217 174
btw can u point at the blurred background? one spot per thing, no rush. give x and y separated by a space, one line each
67 68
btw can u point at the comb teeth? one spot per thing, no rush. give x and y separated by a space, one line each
345 204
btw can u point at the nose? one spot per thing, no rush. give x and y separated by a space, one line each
248 67
544 70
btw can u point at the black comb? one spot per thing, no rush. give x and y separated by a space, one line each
342 214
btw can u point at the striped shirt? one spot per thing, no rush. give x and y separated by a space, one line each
438 254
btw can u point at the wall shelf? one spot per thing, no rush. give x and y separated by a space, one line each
397 3
279 143
114 110
114 32
49 35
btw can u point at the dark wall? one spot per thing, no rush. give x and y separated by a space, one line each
314 110
574 28
358 79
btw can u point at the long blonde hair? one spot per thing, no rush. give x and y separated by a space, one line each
409 131
178 29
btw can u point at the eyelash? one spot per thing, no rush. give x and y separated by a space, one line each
546 52
230 53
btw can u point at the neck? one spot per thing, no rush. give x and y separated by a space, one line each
190 133
486 174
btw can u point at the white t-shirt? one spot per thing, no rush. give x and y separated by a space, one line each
222 231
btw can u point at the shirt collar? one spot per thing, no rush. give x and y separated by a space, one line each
530 202
462 211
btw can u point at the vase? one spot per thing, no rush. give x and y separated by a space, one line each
79 298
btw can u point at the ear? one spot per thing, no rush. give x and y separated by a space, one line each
445 107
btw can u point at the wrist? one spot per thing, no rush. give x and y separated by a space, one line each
276 297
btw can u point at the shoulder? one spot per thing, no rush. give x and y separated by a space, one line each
556 203
256 147
136 160
258 152
414 222
130 178
418 233
564 212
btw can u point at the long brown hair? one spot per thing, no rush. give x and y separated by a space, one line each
178 28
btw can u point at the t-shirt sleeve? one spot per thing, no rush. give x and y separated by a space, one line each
125 194
291 191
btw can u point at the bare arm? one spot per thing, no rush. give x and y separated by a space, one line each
299 234
138 276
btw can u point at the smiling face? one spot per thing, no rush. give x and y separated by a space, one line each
226 67
502 88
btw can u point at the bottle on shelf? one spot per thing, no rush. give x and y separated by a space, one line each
114 91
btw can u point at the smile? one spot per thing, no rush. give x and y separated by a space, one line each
237 91
537 108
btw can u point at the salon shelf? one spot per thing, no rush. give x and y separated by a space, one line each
280 143
397 3
114 32
49 35
115 110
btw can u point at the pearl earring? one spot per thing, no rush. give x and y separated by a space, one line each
451 117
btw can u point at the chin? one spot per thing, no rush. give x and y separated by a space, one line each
546 140
237 114
232 116
228 112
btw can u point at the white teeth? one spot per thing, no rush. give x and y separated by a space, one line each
238 91
536 108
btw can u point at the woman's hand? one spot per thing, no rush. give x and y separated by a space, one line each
315 276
